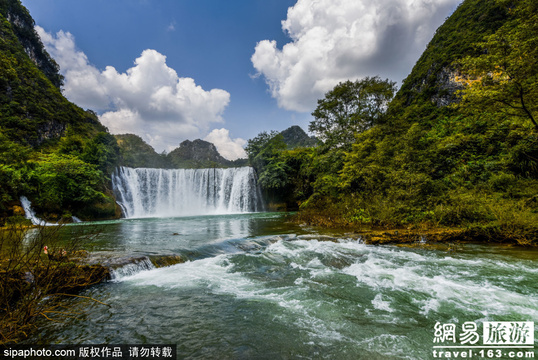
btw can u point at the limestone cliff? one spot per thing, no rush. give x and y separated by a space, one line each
23 27
432 78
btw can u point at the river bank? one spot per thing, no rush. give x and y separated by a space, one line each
521 233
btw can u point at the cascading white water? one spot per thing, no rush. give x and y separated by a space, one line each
131 269
30 214
143 192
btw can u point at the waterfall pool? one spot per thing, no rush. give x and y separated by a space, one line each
256 286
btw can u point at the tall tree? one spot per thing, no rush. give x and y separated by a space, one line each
351 107
504 78
264 153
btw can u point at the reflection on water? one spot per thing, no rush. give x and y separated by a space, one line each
175 235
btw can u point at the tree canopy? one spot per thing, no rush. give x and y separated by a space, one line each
350 108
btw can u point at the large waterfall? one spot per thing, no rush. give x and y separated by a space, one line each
143 192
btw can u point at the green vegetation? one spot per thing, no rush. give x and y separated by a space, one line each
295 137
136 153
52 151
457 146
23 27
504 78
351 108
264 153
33 285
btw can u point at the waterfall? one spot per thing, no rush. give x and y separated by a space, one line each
132 268
30 214
143 192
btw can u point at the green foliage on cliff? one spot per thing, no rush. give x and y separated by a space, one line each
264 153
504 77
135 152
52 151
23 27
58 181
457 145
295 137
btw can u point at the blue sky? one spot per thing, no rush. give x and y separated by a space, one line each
171 70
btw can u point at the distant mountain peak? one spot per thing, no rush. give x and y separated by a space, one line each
198 151
295 136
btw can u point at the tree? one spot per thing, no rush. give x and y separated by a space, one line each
350 108
504 78
264 153
263 147
63 182
102 151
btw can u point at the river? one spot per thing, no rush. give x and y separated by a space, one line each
256 286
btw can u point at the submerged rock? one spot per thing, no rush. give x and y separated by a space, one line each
166 260
120 265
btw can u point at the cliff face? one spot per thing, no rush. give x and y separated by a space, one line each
51 150
431 82
32 109
23 27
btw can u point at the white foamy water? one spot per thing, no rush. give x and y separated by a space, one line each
399 281
210 272
30 214
143 192
136 267
384 270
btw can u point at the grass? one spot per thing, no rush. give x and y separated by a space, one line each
33 286
467 217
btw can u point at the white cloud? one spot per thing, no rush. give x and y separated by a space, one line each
172 26
149 99
337 40
228 148
82 81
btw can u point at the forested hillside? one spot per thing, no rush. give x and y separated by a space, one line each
456 146
51 151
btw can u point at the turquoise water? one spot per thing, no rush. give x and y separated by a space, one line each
258 287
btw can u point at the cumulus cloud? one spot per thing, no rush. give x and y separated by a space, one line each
228 148
83 84
337 40
149 99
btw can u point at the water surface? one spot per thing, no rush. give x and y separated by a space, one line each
258 287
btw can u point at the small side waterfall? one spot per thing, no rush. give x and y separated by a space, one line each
131 268
143 192
30 214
